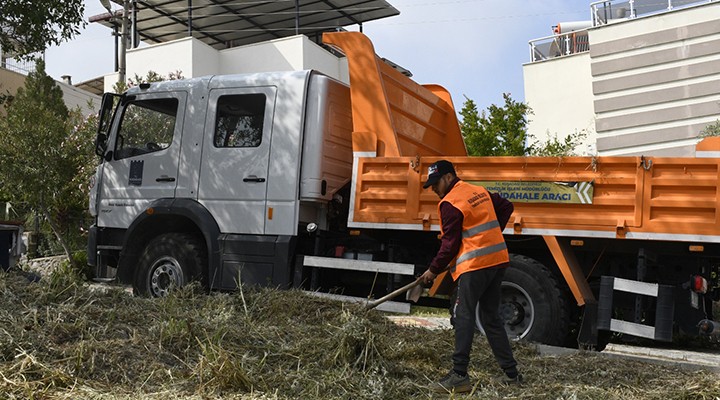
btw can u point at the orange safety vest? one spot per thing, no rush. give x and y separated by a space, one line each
482 244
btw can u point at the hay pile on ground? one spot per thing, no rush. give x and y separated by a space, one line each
60 339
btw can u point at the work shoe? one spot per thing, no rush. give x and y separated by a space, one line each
518 380
452 382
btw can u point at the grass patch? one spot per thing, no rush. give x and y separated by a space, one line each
422 311
79 343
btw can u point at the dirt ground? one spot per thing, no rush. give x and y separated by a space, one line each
60 339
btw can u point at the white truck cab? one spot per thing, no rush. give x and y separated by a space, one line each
214 178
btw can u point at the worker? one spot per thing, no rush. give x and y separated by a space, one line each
473 249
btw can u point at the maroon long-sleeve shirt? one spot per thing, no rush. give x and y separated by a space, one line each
452 221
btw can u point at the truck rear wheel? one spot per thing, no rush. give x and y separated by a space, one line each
532 304
169 261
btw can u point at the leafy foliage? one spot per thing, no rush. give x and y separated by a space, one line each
502 131
477 141
28 27
711 130
46 156
499 131
553 147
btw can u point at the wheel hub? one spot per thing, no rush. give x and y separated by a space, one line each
165 274
512 312
516 308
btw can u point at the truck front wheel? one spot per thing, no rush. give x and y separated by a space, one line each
533 306
169 261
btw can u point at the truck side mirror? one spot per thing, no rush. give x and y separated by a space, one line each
100 144
105 116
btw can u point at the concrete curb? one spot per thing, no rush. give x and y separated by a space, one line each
685 359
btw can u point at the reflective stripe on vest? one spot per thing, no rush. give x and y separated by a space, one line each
481 252
480 228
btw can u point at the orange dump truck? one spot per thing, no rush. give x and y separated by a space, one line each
295 179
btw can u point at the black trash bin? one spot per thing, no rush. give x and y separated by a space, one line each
6 238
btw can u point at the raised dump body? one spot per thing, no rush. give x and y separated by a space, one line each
401 127
392 114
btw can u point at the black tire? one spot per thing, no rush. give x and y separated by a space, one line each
534 307
169 261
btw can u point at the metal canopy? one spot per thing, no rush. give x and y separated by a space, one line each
94 86
229 23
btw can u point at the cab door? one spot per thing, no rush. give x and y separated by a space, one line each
236 156
141 158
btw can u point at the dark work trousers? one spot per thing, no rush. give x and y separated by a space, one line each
481 286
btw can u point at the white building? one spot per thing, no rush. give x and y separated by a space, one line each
193 58
235 37
641 78
13 74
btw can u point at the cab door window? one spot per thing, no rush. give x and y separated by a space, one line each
147 126
239 120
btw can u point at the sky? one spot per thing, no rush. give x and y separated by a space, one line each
474 48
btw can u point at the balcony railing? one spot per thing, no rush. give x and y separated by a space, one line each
574 38
559 45
608 11
20 66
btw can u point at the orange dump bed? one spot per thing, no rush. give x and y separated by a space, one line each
654 198
401 127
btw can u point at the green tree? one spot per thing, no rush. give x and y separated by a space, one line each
46 156
478 141
28 27
553 147
502 131
499 131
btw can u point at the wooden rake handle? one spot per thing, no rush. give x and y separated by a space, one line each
372 304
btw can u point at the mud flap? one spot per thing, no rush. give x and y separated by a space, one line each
588 334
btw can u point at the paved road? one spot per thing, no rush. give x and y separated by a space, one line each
680 358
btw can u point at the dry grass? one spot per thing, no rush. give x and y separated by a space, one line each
61 340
